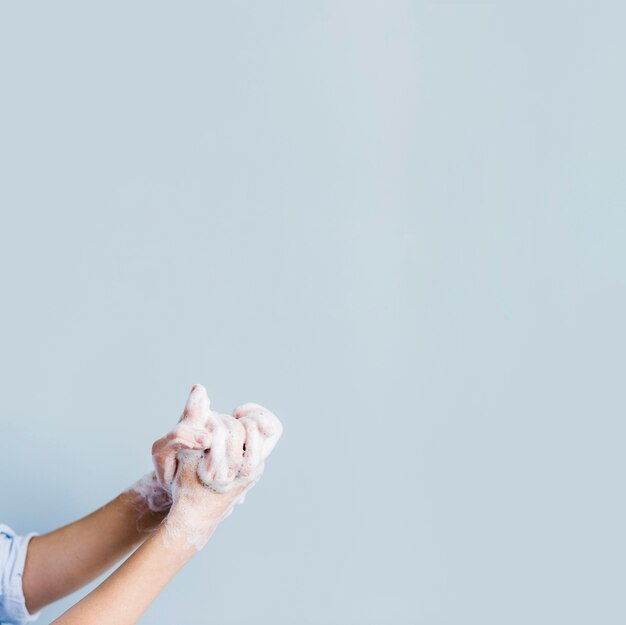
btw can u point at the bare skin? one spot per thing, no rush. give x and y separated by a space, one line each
66 559
124 596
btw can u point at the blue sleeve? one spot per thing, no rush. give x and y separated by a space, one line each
12 558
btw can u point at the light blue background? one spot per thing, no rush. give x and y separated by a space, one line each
399 225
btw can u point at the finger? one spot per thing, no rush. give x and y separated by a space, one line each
181 437
234 446
268 423
214 469
197 408
165 449
186 469
248 409
165 467
253 454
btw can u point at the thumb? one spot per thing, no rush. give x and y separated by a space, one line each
197 407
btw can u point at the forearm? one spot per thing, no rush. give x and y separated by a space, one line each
123 597
66 559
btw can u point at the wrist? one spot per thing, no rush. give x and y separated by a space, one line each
156 497
149 500
186 526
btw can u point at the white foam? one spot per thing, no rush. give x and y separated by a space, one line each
228 453
157 497
233 449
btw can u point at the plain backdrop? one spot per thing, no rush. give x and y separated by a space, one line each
399 225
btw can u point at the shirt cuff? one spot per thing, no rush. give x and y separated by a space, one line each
13 550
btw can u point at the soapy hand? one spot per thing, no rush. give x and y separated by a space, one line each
197 509
234 448
210 460
187 435
156 487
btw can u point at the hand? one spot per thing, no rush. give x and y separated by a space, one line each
156 487
204 466
189 434
235 447
210 460
197 509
